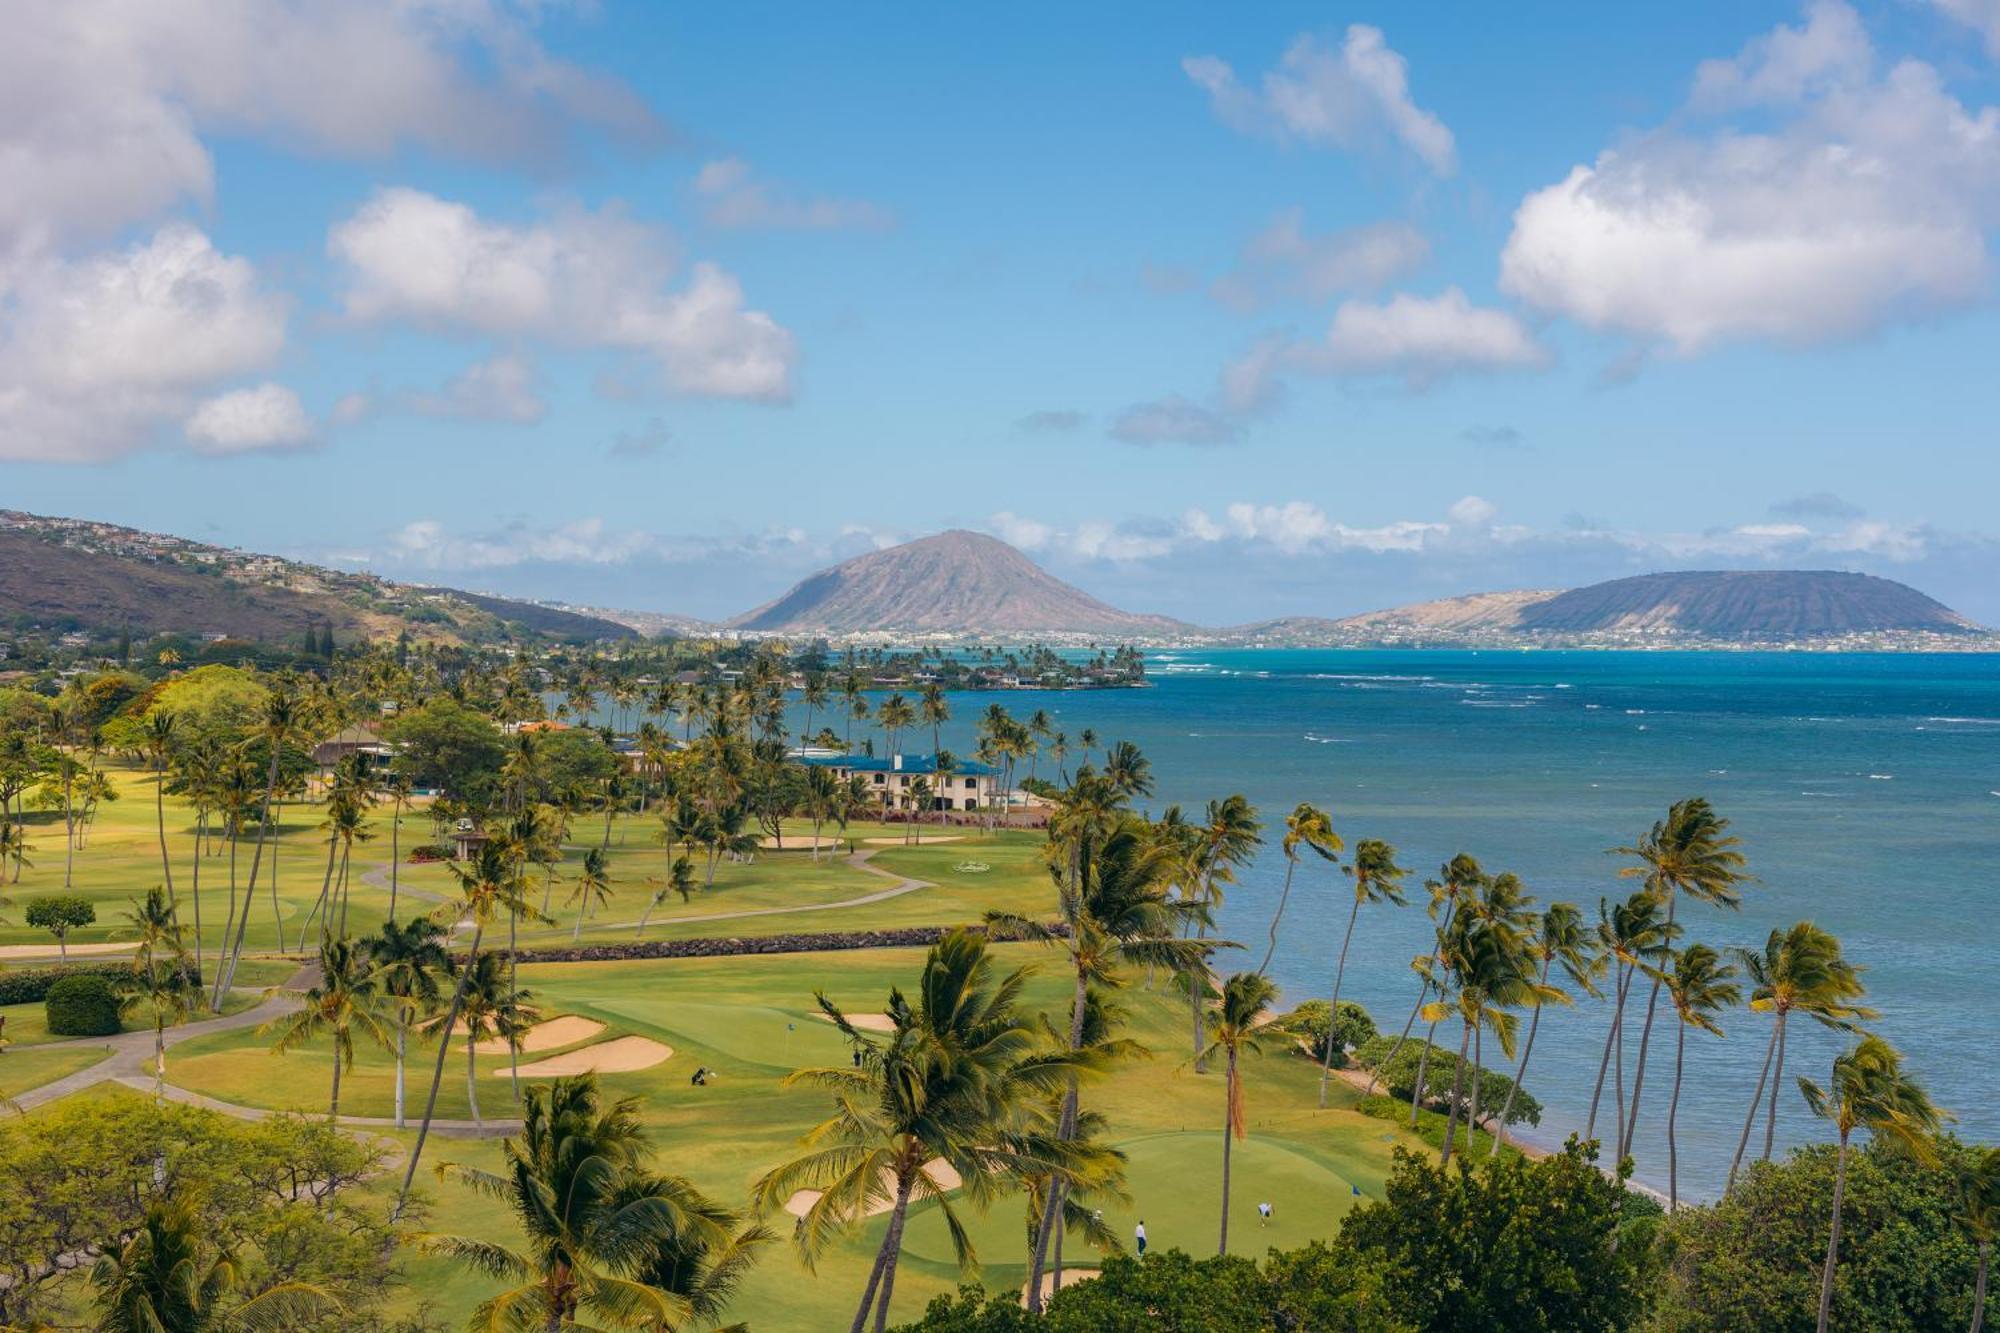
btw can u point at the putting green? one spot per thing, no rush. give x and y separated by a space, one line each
1175 1181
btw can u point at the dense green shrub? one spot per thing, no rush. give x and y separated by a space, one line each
1400 1078
30 985
83 1006
1753 1260
1308 1023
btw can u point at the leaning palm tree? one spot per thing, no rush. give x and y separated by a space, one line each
595 1222
1634 938
1457 881
1870 1091
680 879
1246 999
1689 854
487 887
492 1009
1377 879
1560 938
1310 827
1700 986
1492 967
1979 1214
948 1083
1800 969
165 1279
347 998
593 885
408 960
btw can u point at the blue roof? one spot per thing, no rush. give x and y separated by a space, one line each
912 763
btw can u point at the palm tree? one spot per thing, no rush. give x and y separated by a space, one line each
593 885
397 788
1686 855
1870 1091
488 887
282 715
1377 879
164 1279
1492 968
1979 1214
1700 986
1798 969
1111 880
680 879
1459 877
1228 839
170 996
1559 938
159 739
1307 826
603 1236
408 960
1238 1014
949 1082
894 716
821 794
491 1008
348 997
1634 938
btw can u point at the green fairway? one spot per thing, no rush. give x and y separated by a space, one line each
120 859
749 1019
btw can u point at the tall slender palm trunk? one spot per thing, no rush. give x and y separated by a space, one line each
1423 1068
200 833
1777 1079
1333 1005
1457 1093
1520 1070
1673 1108
892 1249
1228 1140
333 1106
437 1074
1631 1127
472 1077
1052 1207
1604 1064
1743 1144
1979 1286
1284 896
226 974
160 818
1376 1075
395 854
1833 1234
402 1060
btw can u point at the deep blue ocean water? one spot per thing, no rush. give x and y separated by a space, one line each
1865 788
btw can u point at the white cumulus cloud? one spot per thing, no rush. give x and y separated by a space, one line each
1856 196
579 278
95 354
243 421
1319 95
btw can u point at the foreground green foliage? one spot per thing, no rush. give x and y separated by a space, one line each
1512 1244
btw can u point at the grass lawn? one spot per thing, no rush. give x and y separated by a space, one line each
748 1019
120 860
25 1068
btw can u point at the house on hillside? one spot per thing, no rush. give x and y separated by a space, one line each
969 785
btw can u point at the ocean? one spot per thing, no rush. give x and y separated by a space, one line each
1865 789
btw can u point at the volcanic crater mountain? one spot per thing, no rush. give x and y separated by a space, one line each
954 582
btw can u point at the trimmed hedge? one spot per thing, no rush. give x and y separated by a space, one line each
820 942
83 1006
31 985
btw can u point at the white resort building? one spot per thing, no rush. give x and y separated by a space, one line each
966 785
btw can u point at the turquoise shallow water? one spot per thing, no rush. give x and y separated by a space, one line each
1866 789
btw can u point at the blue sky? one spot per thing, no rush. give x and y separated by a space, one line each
1218 311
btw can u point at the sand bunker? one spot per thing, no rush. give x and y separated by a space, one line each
1070 1277
940 1171
51 951
901 841
567 1030
797 843
620 1055
866 1022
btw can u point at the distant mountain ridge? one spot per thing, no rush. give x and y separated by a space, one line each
1693 605
953 582
66 572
